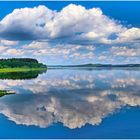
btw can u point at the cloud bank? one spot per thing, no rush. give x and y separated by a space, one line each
73 24
69 36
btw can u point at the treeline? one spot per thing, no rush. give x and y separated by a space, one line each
99 65
20 62
111 65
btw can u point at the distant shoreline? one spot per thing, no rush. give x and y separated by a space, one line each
92 66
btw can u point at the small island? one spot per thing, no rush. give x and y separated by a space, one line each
20 65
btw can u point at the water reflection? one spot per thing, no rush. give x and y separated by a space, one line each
21 75
72 97
6 92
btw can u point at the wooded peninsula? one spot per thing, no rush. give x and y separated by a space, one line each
20 65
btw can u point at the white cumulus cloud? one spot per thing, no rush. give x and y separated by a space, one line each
73 24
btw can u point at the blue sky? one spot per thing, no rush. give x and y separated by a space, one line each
71 32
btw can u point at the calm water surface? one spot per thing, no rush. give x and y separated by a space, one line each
70 103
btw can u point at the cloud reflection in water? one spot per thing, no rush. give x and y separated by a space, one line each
72 97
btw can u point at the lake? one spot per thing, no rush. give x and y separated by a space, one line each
71 103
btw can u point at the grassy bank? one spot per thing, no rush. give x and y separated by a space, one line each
2 70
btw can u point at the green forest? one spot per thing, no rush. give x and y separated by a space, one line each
20 63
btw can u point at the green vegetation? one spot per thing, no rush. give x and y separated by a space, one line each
6 92
20 69
20 65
